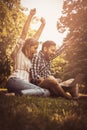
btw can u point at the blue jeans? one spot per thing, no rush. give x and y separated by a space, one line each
19 86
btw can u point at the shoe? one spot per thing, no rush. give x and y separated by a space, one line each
10 94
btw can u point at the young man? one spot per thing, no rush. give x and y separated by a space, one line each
40 70
41 62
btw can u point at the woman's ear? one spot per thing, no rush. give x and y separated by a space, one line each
45 49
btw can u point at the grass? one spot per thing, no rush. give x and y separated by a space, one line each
38 113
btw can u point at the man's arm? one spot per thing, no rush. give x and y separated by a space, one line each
35 76
39 31
35 67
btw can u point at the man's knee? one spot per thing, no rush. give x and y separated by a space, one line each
48 83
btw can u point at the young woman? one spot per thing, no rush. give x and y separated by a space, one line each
19 80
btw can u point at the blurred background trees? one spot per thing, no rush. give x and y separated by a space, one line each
74 21
12 19
73 59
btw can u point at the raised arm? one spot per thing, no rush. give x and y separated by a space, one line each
24 33
39 31
27 24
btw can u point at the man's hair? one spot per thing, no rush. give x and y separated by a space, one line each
48 43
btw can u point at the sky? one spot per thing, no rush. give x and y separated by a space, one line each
51 11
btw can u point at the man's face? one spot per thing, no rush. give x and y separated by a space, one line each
33 50
49 52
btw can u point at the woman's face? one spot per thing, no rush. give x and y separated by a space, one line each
32 50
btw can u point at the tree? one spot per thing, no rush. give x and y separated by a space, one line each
74 20
11 21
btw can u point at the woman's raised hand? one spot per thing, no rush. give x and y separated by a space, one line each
43 20
33 11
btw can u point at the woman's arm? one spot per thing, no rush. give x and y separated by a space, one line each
24 33
27 24
39 31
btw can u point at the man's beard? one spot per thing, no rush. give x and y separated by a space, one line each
47 57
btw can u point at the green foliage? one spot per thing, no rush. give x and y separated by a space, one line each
74 19
57 66
12 20
10 24
38 113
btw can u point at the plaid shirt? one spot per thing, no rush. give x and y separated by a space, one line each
40 66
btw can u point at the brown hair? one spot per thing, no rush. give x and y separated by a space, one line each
28 43
48 43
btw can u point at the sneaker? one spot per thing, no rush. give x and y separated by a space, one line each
10 94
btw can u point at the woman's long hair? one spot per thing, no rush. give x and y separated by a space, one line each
27 45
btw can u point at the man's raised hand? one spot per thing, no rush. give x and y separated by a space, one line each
43 20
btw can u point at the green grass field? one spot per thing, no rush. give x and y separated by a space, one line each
38 113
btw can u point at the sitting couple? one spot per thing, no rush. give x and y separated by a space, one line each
26 65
